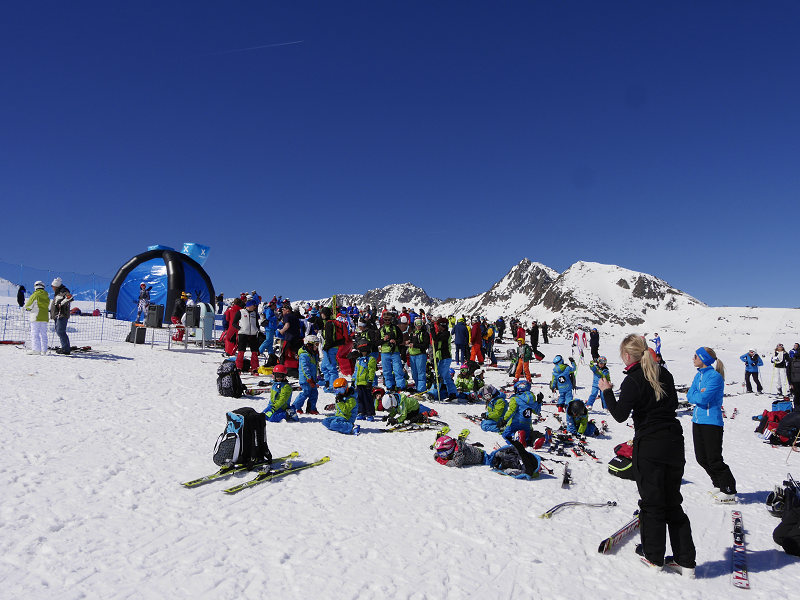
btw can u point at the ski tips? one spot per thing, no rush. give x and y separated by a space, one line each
325 459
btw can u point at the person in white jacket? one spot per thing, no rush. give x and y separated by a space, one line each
38 305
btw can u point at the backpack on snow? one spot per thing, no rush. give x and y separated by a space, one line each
244 441
622 464
229 381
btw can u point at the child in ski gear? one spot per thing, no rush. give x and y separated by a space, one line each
245 322
59 312
464 384
706 393
578 422
178 310
280 397
496 406
600 371
751 362
344 419
401 408
779 361
391 338
418 343
38 305
515 461
364 374
441 348
521 407
524 355
458 453
144 301
307 373
648 391
561 381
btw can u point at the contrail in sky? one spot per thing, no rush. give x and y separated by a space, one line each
253 48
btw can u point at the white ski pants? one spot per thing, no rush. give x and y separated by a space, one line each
39 336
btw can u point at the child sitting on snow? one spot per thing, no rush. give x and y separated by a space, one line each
513 460
578 422
344 419
495 408
464 384
280 396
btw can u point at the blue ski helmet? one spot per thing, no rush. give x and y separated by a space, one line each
522 386
558 360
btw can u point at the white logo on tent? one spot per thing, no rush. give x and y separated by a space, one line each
185 249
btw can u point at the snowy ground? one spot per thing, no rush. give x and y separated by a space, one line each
96 445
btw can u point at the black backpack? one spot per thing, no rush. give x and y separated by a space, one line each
229 381
244 441
795 367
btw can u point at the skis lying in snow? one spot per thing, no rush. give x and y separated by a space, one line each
230 470
739 576
269 476
558 507
473 418
615 538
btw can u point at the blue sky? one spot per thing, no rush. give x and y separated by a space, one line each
431 142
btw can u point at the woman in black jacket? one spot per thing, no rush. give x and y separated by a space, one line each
648 391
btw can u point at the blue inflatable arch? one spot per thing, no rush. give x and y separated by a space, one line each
168 272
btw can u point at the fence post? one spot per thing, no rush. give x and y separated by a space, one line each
94 289
5 323
20 276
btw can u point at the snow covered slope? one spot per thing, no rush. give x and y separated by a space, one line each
95 448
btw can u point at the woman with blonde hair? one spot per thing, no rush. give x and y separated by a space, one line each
648 391
706 394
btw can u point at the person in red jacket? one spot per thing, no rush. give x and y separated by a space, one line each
476 339
230 335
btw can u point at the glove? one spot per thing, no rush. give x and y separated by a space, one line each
311 382
329 407
483 415
392 421
501 424
572 360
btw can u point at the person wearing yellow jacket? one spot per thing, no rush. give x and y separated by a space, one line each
38 305
344 419
401 408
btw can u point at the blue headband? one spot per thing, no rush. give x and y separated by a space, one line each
705 357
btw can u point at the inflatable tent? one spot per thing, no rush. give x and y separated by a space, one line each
168 271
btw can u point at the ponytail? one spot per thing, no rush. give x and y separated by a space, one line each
636 347
720 368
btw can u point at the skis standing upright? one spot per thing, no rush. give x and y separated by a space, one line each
566 479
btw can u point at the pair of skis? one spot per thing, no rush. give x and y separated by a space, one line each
261 477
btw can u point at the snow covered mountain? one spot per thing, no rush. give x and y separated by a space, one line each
395 294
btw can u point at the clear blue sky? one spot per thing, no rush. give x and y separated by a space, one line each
432 142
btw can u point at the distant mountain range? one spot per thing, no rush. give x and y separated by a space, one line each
585 294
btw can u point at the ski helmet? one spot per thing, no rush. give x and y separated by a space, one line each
390 401
143 284
558 360
444 445
465 369
279 370
311 339
378 392
487 392
520 339
601 359
419 322
576 408
39 285
452 372
522 386
340 383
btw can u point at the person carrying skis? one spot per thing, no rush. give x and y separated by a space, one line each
391 338
496 406
144 301
524 355
344 421
401 408
457 453
648 391
579 342
706 393
418 343
37 305
59 312
366 366
307 373
521 407
562 382
752 361
600 371
578 422
245 322
280 397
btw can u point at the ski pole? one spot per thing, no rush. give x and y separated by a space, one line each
792 448
435 368
772 379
